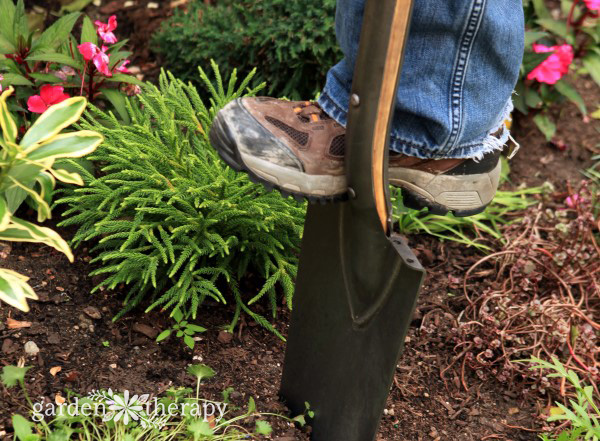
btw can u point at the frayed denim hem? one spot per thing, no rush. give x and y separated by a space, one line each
495 140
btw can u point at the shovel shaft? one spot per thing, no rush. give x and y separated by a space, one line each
376 77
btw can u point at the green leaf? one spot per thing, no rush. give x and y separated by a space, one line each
23 231
6 47
45 78
53 120
540 9
531 60
177 315
545 124
13 79
251 406
55 57
189 341
66 176
592 64
200 428
20 24
532 98
163 335
571 94
56 34
200 371
7 15
88 32
195 328
300 420
13 375
123 78
263 428
118 100
66 145
75 5
23 428
4 213
533 36
556 27
7 122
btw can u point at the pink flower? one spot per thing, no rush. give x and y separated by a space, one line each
592 5
98 56
555 66
123 67
1 79
49 95
105 29
572 201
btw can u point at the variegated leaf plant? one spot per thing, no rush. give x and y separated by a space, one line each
26 171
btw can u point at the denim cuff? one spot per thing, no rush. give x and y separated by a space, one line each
399 142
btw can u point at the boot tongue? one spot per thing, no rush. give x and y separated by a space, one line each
311 109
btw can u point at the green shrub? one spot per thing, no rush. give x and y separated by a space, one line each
170 220
292 44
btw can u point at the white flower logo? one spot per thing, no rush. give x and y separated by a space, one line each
125 407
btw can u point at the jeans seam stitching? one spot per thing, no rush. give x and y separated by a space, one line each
459 73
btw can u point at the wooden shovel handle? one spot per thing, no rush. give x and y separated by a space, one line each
400 23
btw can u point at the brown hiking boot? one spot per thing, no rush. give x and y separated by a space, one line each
295 147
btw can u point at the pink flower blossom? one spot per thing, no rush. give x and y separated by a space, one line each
98 56
123 67
592 5
1 79
555 66
105 29
49 95
572 201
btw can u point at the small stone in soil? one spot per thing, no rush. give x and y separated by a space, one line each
92 312
146 330
53 338
225 337
31 348
8 347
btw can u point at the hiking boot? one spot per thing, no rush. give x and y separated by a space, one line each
297 148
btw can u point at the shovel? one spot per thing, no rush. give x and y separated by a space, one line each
357 281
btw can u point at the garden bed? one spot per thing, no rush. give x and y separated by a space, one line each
433 397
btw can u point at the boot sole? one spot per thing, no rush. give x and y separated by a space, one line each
440 194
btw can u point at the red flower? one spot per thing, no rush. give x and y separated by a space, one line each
49 95
99 57
555 66
105 29
592 5
123 67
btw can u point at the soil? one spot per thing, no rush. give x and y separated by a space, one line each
95 352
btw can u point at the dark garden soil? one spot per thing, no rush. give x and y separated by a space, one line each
74 331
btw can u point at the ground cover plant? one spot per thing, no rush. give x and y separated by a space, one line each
291 44
105 415
541 302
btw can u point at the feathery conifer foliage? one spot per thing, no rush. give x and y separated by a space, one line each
169 220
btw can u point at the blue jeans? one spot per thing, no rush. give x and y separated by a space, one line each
461 64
